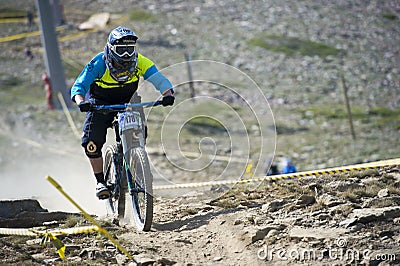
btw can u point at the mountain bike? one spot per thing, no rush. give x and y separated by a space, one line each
126 164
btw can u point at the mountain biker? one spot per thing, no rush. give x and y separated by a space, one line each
112 77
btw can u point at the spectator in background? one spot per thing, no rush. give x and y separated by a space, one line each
289 167
28 53
29 19
48 90
272 168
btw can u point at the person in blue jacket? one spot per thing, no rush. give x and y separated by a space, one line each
112 77
289 167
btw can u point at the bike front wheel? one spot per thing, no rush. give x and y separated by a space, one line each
141 188
116 182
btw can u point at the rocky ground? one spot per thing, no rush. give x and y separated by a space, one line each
346 219
342 219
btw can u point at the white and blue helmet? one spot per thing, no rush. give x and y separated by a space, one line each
120 53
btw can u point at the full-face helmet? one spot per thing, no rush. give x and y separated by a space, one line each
120 53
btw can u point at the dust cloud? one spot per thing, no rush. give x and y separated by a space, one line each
24 166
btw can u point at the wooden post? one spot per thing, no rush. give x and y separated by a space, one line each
190 75
349 114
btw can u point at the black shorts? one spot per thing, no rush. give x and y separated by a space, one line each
95 128
95 131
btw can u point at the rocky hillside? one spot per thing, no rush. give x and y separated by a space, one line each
301 54
297 53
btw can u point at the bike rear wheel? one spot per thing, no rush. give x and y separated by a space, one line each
141 188
116 182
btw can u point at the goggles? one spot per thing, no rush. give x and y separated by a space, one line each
122 49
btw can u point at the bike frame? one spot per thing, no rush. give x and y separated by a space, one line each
119 159
129 151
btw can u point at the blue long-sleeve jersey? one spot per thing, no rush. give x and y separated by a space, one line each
96 79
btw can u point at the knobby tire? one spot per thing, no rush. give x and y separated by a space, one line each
116 203
142 192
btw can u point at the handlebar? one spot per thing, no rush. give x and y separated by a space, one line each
122 107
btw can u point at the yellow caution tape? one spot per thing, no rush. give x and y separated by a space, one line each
68 115
59 246
17 232
93 221
249 169
76 230
59 28
56 242
33 232
274 178
48 235
12 20
26 34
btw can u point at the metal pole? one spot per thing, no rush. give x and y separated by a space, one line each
52 55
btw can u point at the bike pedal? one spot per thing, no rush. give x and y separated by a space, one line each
103 197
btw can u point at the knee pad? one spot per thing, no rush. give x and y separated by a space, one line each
92 150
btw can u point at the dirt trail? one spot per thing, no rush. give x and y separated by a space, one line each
193 233
345 219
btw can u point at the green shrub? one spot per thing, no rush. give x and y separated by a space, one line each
389 16
292 46
204 125
140 15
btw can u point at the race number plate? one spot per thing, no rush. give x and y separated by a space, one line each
129 120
